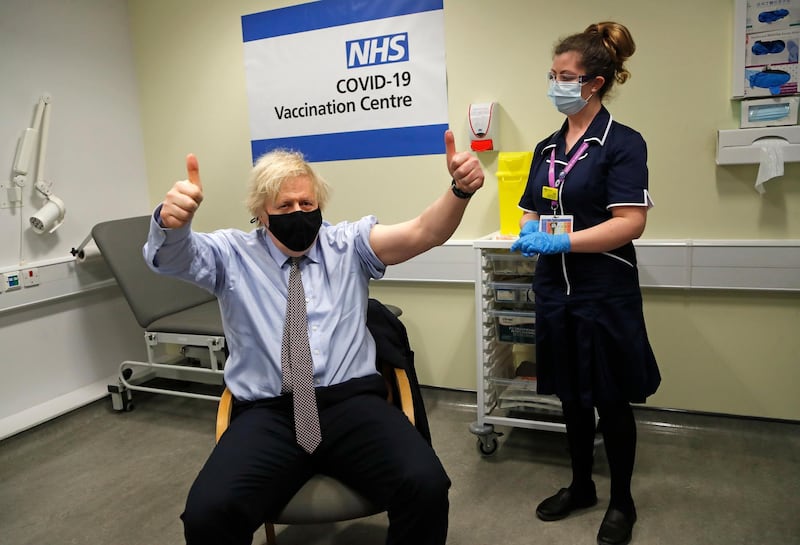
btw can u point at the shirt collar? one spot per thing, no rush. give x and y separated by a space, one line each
597 133
281 259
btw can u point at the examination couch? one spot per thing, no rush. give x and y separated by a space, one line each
182 325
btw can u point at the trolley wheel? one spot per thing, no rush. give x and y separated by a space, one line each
121 399
487 446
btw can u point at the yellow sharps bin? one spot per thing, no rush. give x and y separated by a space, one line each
512 175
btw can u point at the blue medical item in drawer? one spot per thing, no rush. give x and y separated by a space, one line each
514 326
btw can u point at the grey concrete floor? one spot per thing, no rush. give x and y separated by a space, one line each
95 477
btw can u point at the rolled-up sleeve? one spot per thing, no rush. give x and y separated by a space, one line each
372 264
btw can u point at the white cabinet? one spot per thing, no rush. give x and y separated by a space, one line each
506 336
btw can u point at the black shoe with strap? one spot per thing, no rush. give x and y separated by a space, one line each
564 502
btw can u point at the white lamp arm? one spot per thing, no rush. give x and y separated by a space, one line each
26 147
43 108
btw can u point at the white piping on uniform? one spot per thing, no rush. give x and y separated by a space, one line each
646 201
608 128
619 258
564 256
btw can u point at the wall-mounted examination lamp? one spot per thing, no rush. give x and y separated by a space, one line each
51 215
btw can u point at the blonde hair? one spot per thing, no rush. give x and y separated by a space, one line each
604 47
271 170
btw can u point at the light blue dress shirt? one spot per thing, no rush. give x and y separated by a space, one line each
249 275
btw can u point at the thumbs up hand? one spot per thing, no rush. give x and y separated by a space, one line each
463 166
182 201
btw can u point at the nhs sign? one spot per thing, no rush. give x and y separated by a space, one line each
377 50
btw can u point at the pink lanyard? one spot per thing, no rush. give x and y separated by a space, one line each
551 173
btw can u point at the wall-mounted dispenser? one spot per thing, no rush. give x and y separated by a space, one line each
743 146
768 147
482 120
769 112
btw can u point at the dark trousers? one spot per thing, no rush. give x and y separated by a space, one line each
368 444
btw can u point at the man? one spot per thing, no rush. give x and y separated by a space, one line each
355 435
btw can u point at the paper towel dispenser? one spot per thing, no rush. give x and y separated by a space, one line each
744 146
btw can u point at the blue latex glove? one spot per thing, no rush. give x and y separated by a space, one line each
768 47
770 79
541 243
772 16
531 226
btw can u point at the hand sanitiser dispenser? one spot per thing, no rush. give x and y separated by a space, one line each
482 126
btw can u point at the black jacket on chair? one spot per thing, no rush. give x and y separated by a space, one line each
392 348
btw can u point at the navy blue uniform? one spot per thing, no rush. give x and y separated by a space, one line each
591 341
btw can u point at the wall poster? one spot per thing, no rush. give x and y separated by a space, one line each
347 79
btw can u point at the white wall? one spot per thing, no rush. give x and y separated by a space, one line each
58 355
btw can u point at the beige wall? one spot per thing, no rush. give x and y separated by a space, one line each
719 351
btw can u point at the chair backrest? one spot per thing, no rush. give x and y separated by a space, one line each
151 296
393 351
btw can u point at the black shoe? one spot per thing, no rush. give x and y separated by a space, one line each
616 528
564 502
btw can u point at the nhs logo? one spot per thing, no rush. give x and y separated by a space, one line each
377 50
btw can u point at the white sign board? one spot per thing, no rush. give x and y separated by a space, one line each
346 79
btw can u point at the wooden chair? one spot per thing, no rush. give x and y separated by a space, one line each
323 499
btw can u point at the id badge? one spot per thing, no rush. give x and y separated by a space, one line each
555 225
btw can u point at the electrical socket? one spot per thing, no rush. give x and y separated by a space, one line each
30 277
11 281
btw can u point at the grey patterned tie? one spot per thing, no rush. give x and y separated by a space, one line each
297 365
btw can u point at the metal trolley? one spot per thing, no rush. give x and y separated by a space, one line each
506 336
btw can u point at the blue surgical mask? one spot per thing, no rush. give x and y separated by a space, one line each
566 96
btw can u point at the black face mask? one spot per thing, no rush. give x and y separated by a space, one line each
296 230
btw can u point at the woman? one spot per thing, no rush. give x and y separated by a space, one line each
592 347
